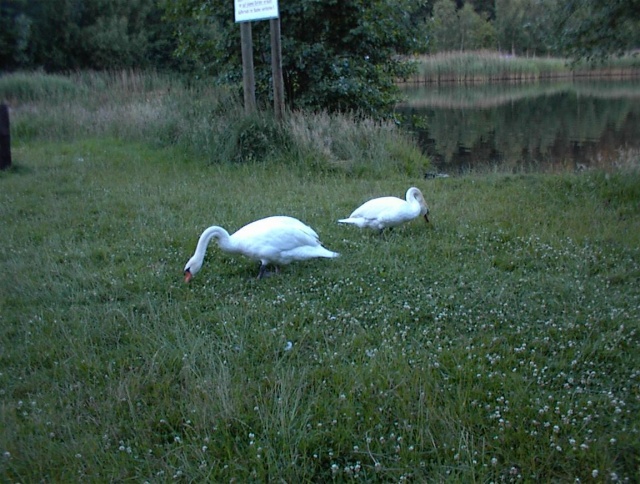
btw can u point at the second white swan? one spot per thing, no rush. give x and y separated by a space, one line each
276 240
384 212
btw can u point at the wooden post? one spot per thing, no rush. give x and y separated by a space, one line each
248 77
5 138
276 69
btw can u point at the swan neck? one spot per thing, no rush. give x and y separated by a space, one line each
214 232
416 200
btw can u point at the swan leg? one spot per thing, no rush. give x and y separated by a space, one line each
262 271
265 273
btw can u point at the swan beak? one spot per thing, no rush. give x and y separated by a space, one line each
426 217
187 275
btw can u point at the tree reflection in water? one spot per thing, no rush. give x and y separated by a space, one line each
546 127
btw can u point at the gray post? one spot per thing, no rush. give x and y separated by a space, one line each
276 69
248 77
5 138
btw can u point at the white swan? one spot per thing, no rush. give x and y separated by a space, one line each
384 212
273 240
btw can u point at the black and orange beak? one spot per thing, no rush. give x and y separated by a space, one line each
187 275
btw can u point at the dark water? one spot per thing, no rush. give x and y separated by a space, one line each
525 127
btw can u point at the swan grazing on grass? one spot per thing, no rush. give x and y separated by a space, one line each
384 212
275 240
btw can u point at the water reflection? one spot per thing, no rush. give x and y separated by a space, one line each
519 127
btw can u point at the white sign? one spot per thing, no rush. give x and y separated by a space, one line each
249 10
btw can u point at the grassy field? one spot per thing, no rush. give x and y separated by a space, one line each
496 344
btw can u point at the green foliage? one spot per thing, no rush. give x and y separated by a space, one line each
256 137
340 56
96 34
526 26
596 29
445 24
463 29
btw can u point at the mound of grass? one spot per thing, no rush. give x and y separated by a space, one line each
497 343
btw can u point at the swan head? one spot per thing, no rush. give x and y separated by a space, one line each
191 268
425 212
424 208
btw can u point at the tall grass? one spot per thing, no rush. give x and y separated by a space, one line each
497 344
490 66
206 122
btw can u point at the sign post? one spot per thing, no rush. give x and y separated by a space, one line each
248 80
247 11
276 69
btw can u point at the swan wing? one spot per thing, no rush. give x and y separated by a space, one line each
280 240
374 208
380 213
276 226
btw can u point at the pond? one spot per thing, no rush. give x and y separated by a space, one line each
544 126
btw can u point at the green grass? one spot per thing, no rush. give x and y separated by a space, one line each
498 343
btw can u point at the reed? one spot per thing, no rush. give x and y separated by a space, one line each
491 66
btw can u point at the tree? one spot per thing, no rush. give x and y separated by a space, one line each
445 25
599 28
340 55
462 29
76 34
15 33
475 32
525 26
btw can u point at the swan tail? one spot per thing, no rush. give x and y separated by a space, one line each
347 221
327 253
